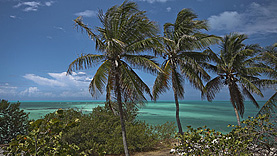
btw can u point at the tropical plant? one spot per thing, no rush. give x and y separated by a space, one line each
269 58
13 121
180 41
44 138
237 70
257 136
126 32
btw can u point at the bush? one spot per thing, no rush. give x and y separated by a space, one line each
13 121
256 136
44 138
99 133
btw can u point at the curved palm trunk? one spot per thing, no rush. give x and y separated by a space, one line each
176 103
119 102
177 113
233 103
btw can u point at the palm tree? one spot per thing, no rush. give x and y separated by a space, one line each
269 57
237 70
181 61
125 32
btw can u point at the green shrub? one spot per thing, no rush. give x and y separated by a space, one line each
256 136
13 121
100 132
74 133
44 138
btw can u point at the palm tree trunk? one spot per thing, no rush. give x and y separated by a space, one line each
233 103
119 102
176 103
177 113
237 115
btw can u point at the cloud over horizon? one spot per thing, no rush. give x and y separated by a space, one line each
256 19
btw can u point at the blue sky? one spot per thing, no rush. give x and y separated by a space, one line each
38 41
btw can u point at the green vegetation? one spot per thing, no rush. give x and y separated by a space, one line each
255 136
236 69
121 42
13 121
69 132
181 40
125 33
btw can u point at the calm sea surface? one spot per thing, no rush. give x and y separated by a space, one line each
216 115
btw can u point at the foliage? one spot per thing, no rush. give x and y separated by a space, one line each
13 121
99 133
180 42
125 32
256 136
44 138
268 57
236 69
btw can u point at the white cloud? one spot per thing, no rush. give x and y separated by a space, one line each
12 16
79 79
153 1
168 9
35 92
256 19
226 20
49 3
32 5
7 90
87 13
44 81
59 28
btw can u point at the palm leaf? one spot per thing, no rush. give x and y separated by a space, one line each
212 87
99 44
132 85
99 80
84 62
144 62
249 95
269 106
161 83
248 85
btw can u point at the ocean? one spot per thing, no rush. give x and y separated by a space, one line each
215 115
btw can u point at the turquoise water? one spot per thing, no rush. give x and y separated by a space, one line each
216 115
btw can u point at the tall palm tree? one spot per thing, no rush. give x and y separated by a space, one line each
237 70
269 57
180 41
125 32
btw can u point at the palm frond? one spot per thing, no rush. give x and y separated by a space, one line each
202 41
132 85
144 62
84 62
248 85
265 82
249 95
269 106
161 83
212 88
151 43
99 80
193 70
99 44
